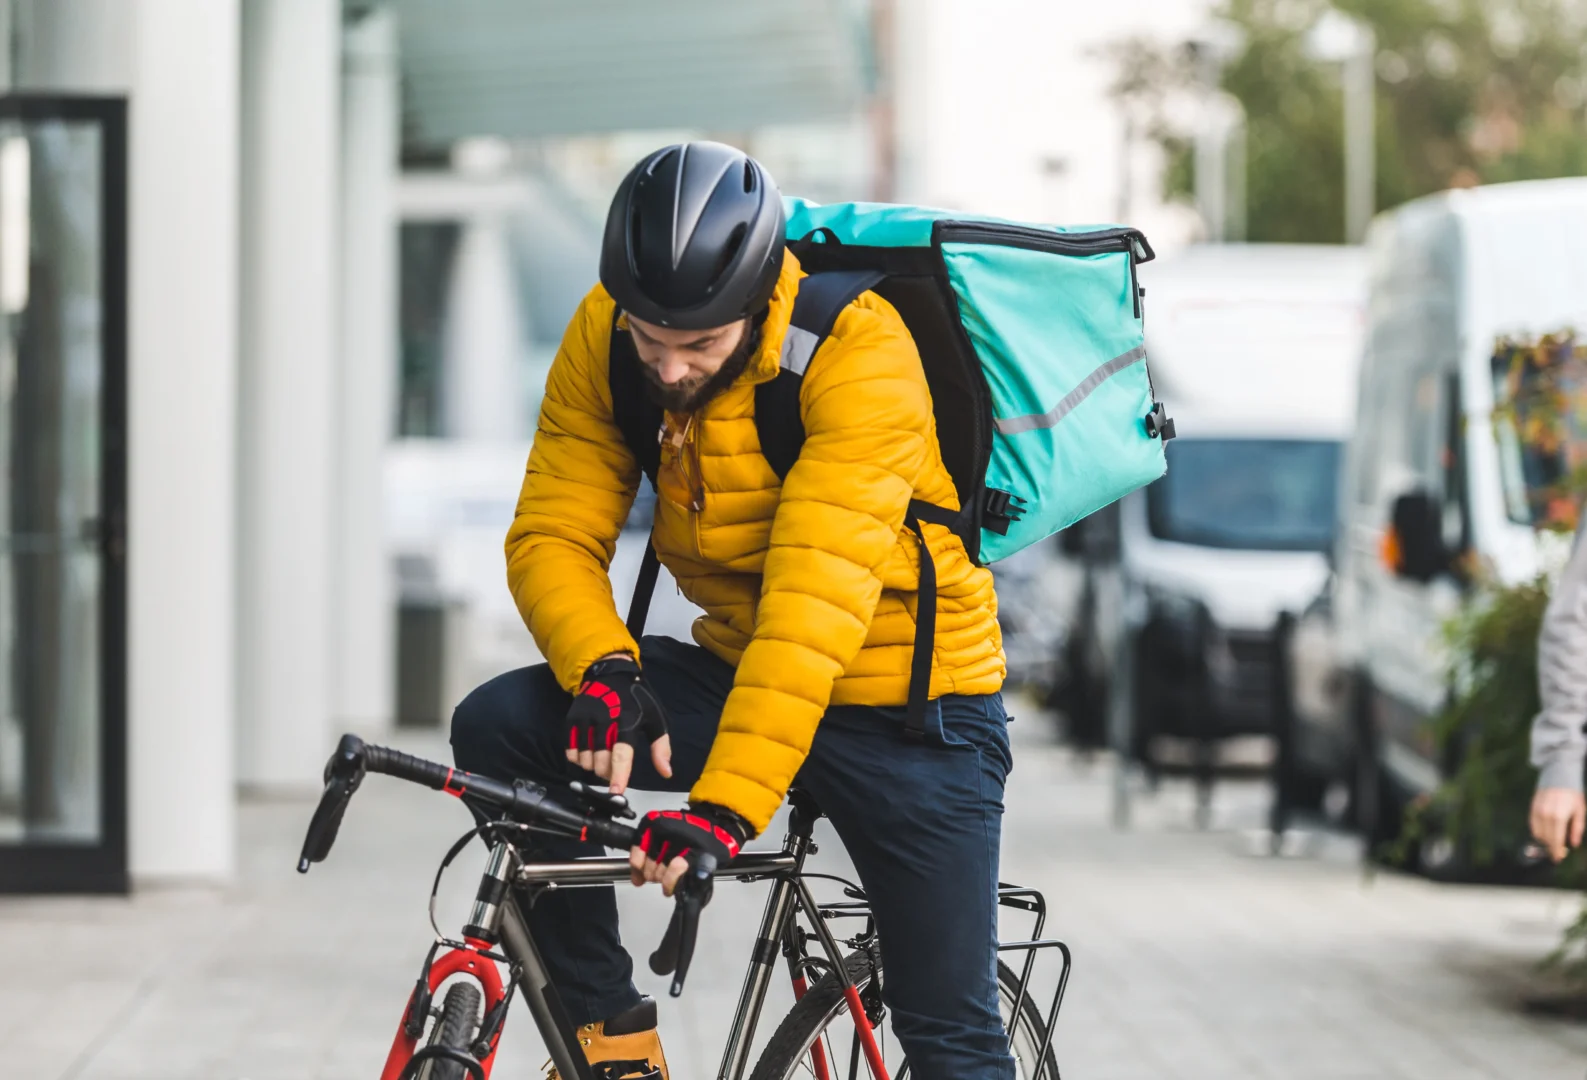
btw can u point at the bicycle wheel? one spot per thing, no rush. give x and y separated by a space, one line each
817 1032
454 1029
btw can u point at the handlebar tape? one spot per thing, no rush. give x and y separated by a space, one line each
612 834
522 801
381 759
525 802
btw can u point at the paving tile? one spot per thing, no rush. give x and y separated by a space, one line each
1193 958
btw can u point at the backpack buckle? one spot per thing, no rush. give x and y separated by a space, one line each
1000 510
1159 425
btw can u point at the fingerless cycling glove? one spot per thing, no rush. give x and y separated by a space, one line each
667 834
614 705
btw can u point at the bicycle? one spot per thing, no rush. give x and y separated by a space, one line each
460 1036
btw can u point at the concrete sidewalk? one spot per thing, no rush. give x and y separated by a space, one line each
1193 958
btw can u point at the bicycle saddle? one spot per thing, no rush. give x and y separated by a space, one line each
804 805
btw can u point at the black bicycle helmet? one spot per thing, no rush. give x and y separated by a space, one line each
694 239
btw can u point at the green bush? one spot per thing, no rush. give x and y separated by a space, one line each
1485 728
1484 731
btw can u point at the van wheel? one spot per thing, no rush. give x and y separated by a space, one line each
1069 699
1303 791
1378 811
1082 699
1141 743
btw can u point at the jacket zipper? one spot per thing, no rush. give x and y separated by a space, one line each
1130 242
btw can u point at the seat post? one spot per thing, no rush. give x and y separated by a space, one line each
774 927
803 814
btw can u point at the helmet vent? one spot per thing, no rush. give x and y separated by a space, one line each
735 240
749 176
635 235
664 156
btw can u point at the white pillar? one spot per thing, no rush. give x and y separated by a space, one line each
178 62
483 364
365 617
291 60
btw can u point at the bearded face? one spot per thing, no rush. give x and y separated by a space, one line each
684 369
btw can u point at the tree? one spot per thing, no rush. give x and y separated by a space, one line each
1469 92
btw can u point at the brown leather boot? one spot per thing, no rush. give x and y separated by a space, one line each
626 1047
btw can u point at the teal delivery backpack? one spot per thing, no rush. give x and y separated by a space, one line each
1032 343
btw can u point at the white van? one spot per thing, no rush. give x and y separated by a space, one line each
1432 485
1254 348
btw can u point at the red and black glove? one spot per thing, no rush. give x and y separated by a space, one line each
614 706
667 834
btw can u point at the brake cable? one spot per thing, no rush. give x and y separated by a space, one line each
457 848
462 842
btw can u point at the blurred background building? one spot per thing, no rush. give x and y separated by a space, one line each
280 281
297 269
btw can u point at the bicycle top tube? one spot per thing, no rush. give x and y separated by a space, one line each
608 871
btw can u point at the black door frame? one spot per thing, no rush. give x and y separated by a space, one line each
101 867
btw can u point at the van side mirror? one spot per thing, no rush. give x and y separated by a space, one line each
1414 547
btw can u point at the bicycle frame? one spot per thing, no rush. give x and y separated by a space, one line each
496 917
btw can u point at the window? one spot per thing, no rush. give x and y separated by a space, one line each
62 493
428 250
1249 494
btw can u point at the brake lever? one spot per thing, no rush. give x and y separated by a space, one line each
673 955
344 771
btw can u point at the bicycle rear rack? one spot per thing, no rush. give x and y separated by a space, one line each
1009 896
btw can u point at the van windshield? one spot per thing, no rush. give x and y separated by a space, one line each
1247 494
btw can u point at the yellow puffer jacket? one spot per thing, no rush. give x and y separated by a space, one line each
809 588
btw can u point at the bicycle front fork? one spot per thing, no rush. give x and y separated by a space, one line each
495 919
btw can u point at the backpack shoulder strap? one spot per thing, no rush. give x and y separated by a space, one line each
637 417
821 299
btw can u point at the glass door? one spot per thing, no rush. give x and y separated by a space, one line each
62 494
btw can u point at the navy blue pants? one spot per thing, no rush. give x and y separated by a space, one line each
920 819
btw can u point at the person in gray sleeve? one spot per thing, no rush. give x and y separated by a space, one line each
1559 742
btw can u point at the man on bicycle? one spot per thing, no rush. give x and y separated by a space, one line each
800 665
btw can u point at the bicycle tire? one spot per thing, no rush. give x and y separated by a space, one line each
454 1029
787 1053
